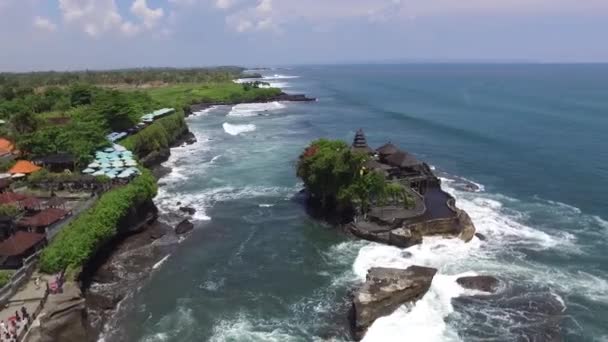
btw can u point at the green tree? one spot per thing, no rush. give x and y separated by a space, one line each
81 94
24 122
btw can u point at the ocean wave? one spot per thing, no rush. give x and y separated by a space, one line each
244 328
279 77
202 112
238 129
176 325
202 200
161 262
253 109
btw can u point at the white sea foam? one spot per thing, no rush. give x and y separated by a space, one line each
254 109
279 77
172 325
238 129
453 258
161 262
244 329
202 112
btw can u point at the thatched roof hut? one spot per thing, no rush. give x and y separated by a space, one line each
387 149
402 159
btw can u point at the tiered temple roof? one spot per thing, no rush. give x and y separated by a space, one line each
360 143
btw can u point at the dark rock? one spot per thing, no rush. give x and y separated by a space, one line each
179 203
404 237
184 227
188 210
480 283
385 290
104 302
156 158
156 232
63 318
481 236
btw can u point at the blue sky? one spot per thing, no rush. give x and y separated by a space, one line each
80 34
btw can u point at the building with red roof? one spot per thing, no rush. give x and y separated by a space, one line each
18 247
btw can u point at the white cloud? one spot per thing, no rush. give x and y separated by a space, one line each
149 17
96 17
224 4
44 24
265 6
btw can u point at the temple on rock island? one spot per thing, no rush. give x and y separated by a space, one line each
434 211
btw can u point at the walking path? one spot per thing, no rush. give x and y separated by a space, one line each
30 296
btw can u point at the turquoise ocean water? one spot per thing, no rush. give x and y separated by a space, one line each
256 268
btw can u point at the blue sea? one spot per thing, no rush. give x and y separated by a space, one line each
532 139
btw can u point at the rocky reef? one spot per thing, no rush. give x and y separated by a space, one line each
386 289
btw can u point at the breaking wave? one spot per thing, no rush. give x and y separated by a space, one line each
255 109
507 236
238 129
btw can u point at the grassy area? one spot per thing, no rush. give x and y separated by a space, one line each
83 237
180 95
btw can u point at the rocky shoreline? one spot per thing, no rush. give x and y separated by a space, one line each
189 110
130 258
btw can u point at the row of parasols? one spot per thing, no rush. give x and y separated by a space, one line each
113 162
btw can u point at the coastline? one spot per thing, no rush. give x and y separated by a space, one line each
130 259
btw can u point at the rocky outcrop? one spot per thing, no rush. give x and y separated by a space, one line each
481 236
156 158
480 283
188 110
184 227
386 289
187 210
63 318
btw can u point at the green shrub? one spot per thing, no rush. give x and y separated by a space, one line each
9 210
5 276
83 237
157 136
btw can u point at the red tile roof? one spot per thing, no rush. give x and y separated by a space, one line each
19 243
11 197
24 166
44 218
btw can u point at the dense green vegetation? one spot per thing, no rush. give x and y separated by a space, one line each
335 175
74 119
11 83
157 136
79 241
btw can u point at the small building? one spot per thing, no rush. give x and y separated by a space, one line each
18 247
7 148
360 143
57 162
24 167
43 219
